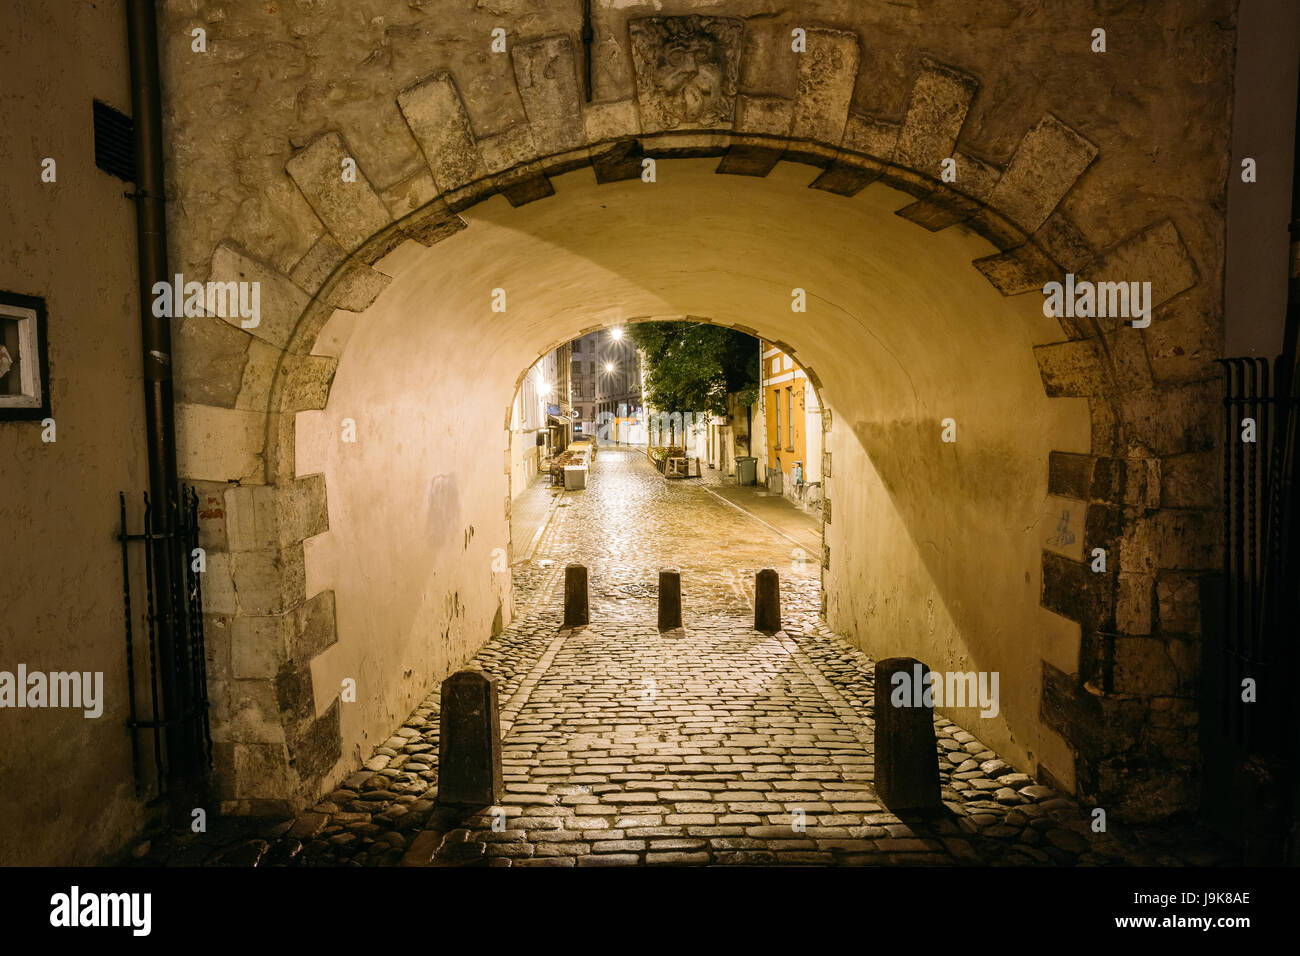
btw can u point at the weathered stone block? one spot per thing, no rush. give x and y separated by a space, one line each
764 115
746 160
827 73
301 509
281 302
1182 342
436 115
511 147
1178 598
1069 475
975 177
1172 540
259 373
1071 369
1022 269
261 771
209 356
268 582
312 627
847 176
219 444
528 190
1073 590
318 748
308 380
258 646
433 223
1145 667
936 111
351 211
1173 421
318 264
616 120
251 519
1134 602
547 80
1191 481
618 162
356 287
254 713
939 210
1046 163
412 192
1156 255
1061 239
870 136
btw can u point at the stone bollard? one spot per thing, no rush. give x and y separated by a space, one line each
576 613
670 599
907 765
469 741
767 601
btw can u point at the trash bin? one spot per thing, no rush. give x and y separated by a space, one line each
746 470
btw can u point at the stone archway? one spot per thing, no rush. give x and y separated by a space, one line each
239 419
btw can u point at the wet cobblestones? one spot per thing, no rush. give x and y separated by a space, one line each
710 745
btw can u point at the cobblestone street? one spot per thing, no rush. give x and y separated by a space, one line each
714 744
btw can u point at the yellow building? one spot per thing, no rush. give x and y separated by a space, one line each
792 425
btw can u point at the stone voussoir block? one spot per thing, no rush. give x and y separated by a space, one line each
436 115
280 301
936 111
547 79
1046 164
827 72
351 210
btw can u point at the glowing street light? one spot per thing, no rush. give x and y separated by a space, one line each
615 334
609 366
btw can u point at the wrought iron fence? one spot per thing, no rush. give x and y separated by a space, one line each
172 605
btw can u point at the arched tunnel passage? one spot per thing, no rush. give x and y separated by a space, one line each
935 547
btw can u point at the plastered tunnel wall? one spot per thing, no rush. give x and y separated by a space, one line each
333 559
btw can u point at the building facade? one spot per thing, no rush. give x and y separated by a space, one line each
792 416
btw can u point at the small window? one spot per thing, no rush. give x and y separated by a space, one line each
24 373
789 414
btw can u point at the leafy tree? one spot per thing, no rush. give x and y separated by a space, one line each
693 366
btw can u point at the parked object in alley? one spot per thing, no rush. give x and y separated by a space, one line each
767 601
575 477
907 775
670 599
746 470
469 741
576 613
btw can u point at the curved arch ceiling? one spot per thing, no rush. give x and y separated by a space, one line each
900 330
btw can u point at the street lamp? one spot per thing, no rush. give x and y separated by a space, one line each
616 334
609 366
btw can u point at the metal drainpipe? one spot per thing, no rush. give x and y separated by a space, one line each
151 232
